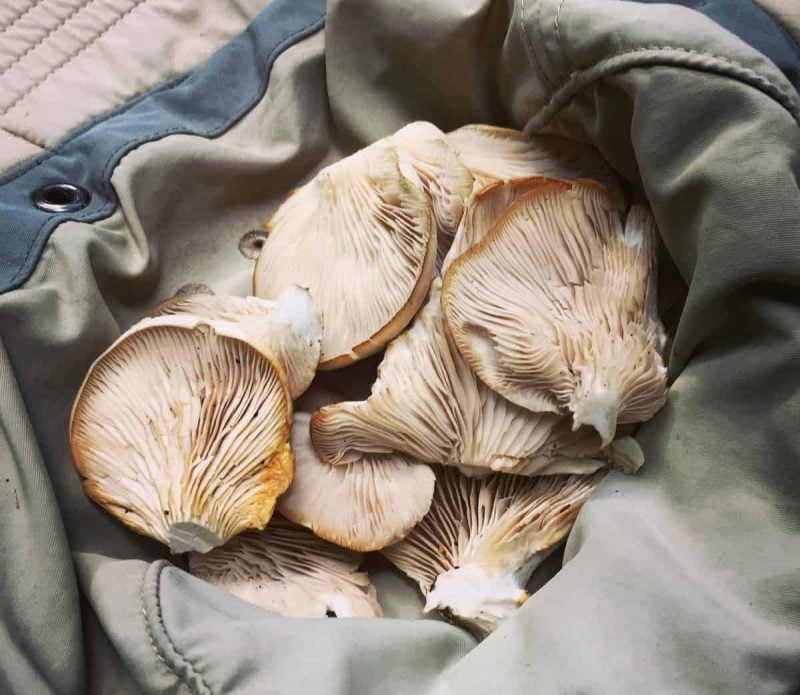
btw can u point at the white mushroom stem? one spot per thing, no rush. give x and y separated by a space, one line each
184 536
487 595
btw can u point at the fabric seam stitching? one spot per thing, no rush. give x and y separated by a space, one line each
766 85
159 569
150 635
20 136
529 43
560 38
543 53
61 23
29 165
39 83
98 215
24 13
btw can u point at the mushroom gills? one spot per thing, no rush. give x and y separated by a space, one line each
495 154
484 208
288 329
180 430
364 505
476 548
552 307
433 166
427 405
288 570
361 236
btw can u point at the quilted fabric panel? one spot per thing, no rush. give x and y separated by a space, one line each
63 62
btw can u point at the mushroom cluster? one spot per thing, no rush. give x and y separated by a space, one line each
506 291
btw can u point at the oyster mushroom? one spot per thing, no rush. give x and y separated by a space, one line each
427 160
286 569
361 237
363 505
428 405
475 550
501 154
484 208
180 430
551 308
289 328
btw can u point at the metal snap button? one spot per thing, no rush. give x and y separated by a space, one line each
250 244
61 197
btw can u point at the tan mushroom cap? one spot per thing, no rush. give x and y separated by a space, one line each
551 308
484 208
361 237
364 505
429 405
180 430
501 154
286 569
427 160
288 329
475 550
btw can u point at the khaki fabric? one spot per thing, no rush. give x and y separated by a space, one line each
682 579
63 62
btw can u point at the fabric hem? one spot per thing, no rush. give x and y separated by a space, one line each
163 645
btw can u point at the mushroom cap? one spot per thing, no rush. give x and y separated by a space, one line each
427 160
480 541
501 154
361 237
288 570
428 404
288 329
180 430
550 308
364 505
484 208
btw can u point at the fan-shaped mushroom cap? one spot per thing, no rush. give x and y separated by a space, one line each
501 154
484 208
478 545
428 161
429 405
288 570
180 430
550 309
288 329
364 505
361 237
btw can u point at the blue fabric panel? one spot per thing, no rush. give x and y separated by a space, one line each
754 25
206 101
